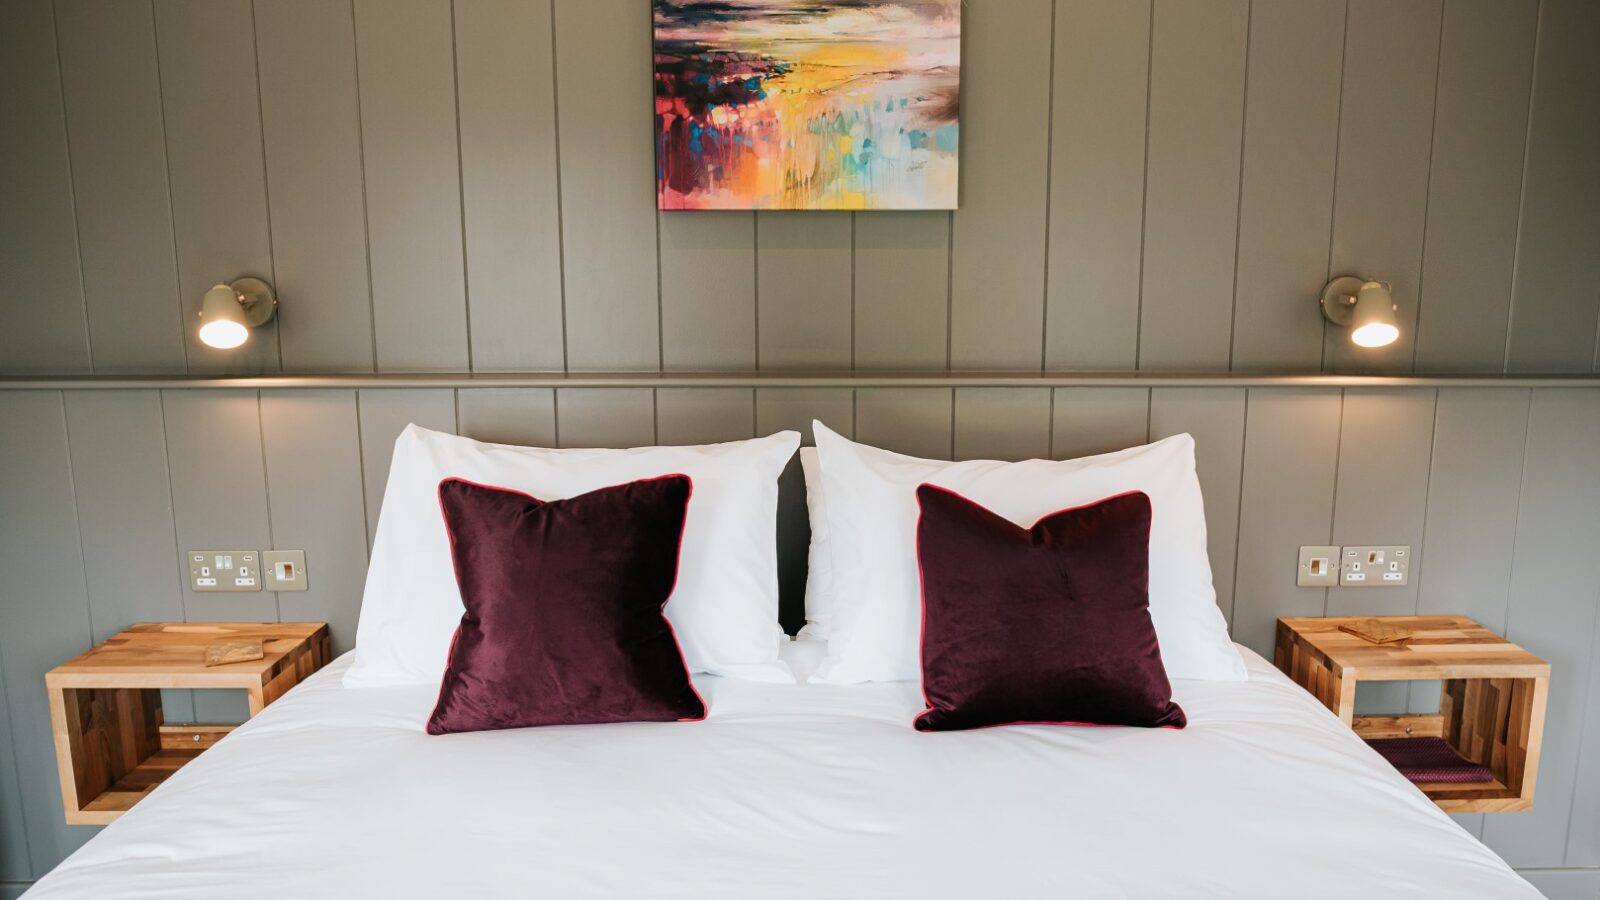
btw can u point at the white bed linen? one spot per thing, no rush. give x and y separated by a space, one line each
802 791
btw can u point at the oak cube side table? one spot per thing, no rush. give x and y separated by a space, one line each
1491 702
113 745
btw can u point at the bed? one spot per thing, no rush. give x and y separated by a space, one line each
800 791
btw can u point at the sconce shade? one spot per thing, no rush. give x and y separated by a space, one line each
222 319
229 311
1372 323
1363 305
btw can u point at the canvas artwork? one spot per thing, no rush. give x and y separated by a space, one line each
807 104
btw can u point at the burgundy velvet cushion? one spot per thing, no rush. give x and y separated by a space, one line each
563 621
1048 625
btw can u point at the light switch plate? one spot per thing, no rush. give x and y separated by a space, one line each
285 569
1375 566
1319 567
223 570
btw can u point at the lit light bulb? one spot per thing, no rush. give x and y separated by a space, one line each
1374 334
223 334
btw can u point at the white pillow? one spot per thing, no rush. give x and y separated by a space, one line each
871 508
724 608
819 559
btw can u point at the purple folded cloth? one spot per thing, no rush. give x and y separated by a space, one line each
1429 759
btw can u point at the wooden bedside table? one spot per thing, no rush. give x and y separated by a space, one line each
1491 704
112 746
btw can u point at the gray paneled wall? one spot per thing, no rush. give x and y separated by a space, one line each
1152 184
1495 488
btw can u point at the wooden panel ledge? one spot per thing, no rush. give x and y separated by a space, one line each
415 380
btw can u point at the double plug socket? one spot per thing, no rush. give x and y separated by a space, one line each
1385 565
246 570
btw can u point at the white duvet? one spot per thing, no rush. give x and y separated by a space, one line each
806 791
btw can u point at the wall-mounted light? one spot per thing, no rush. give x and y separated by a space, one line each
230 310
1365 306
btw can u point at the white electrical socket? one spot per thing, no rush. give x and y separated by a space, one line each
223 570
1375 566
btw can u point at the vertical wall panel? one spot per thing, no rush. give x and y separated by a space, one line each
42 317
608 220
1555 583
914 421
803 282
510 192
1087 421
1002 423
708 291
1479 133
606 417
120 187
1556 284
1385 450
1097 133
405 70
312 449
1464 565
1583 834
219 492
902 290
311 127
1291 123
384 414
206 51
525 416
998 234
1381 193
124 503
1215 417
43 608
1283 506
14 864
1197 73
704 415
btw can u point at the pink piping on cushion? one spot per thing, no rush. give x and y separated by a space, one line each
673 632
922 593
922 626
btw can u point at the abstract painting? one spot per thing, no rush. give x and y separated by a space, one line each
807 104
